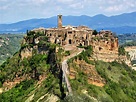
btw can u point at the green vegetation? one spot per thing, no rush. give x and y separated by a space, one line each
19 92
67 53
26 89
96 38
49 86
121 50
133 63
120 81
84 55
40 64
80 97
43 76
60 54
131 43
127 39
9 44
9 68
34 66
95 32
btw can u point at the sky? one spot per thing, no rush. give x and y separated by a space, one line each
17 10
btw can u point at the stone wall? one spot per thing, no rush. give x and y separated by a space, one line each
69 35
105 47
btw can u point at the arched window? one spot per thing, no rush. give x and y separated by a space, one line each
70 41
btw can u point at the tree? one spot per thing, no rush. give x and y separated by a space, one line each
95 32
35 62
121 50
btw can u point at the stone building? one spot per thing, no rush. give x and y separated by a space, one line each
64 35
104 43
105 46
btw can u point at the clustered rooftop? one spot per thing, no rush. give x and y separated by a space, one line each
103 42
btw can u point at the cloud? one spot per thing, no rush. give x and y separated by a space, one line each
114 8
118 6
25 9
65 1
38 1
3 0
77 6
5 7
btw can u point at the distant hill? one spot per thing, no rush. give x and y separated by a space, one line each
124 23
9 45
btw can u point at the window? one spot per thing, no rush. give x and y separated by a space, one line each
70 41
69 32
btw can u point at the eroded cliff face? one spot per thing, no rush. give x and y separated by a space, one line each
26 52
132 55
34 44
105 48
131 51
89 70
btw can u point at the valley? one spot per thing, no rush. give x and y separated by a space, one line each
67 50
9 45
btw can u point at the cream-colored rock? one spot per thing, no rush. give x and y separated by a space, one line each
26 52
132 52
1 90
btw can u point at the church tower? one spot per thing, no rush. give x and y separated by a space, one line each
59 21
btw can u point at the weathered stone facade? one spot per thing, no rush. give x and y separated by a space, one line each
105 44
64 35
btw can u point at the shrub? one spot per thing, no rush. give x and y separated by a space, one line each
67 53
121 50
95 32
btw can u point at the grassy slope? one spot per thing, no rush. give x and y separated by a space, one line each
31 68
10 45
120 86
28 87
120 82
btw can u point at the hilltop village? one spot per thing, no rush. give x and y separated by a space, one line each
105 43
68 63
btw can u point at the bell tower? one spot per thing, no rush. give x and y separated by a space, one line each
59 21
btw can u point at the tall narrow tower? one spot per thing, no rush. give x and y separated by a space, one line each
59 21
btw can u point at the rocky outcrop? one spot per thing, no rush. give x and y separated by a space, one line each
92 76
26 52
132 54
33 44
131 51
105 49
